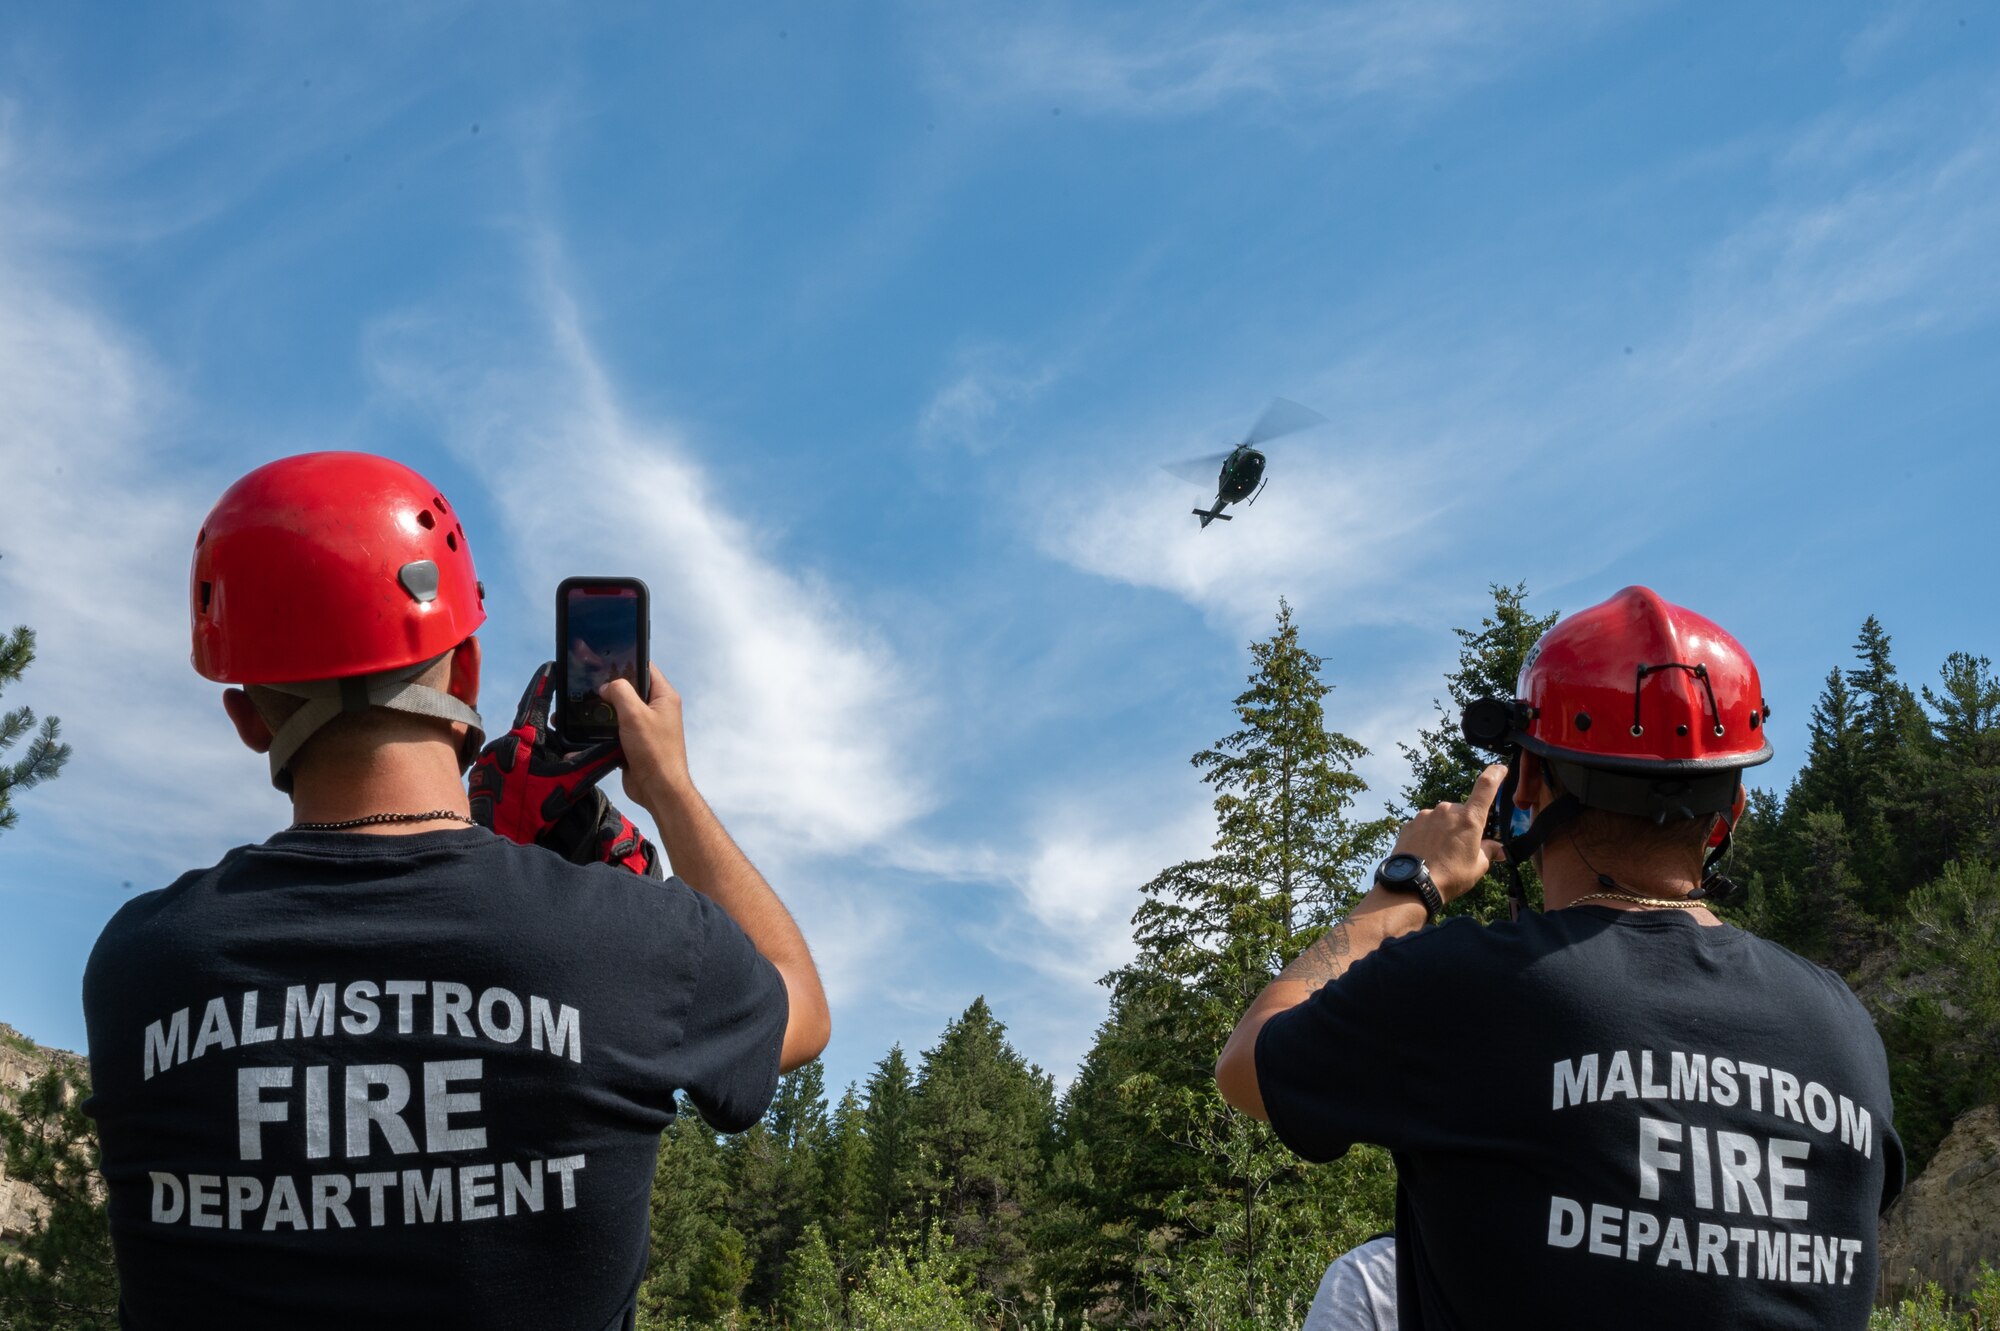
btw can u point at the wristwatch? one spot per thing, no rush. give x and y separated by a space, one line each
1407 873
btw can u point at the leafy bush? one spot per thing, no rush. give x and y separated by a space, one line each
1931 1309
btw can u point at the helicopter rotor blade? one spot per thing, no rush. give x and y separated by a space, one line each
1197 471
1282 417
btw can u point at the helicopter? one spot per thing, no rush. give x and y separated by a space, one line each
1240 478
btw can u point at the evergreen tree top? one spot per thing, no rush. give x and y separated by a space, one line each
46 753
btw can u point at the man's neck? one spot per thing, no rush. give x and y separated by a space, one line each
1567 878
399 777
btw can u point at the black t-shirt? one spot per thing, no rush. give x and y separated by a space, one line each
1603 1118
408 1081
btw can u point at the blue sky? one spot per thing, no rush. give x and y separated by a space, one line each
858 332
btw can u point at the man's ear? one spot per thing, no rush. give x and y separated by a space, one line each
464 684
249 722
1528 785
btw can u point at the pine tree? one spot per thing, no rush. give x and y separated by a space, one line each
1943 1038
1111 1177
812 1299
720 1279
689 1191
1832 777
1442 765
1951 788
848 1211
1211 933
979 1121
1886 710
1285 786
893 1165
45 754
776 1177
61 1277
1889 720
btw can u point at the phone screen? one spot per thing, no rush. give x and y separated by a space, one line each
602 625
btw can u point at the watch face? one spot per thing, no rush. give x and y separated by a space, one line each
1401 868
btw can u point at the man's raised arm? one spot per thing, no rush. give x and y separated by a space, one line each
705 857
1448 840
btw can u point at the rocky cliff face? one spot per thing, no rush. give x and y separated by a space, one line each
1949 1218
21 1061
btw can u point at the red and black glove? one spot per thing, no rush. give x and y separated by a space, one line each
528 789
594 830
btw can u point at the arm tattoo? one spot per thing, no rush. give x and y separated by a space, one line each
1323 962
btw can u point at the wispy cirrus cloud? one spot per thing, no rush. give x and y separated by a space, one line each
973 410
95 527
1149 61
1876 232
800 717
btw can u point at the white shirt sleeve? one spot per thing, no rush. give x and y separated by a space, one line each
1358 1292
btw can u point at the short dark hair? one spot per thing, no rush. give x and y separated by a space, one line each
1599 830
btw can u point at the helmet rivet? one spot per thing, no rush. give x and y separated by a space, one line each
1681 730
1583 720
1638 731
1718 732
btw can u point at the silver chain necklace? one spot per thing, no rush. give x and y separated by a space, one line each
373 818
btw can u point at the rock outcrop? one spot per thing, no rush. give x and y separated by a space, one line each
1949 1218
21 1061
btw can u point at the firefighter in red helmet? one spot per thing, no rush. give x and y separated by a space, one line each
399 1064
1621 1109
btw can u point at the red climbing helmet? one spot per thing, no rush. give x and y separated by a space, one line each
326 565
337 578
1636 684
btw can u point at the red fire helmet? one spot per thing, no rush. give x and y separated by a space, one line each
1639 685
329 565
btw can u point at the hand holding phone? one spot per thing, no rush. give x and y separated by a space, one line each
654 744
602 631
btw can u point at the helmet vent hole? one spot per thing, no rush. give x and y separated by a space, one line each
451 540
207 591
1753 720
439 501
1681 730
1583 720
425 520
199 537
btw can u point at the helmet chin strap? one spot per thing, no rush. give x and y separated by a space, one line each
391 689
1715 884
1521 846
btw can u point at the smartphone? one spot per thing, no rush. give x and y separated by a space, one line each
601 635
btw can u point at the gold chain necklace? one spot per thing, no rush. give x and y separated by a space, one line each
1676 903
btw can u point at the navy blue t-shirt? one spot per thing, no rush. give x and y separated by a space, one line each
1603 1118
408 1081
